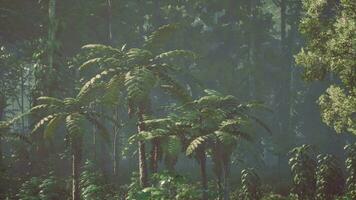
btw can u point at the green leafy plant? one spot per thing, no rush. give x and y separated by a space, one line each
51 188
137 71
330 180
351 169
166 186
91 183
303 168
250 185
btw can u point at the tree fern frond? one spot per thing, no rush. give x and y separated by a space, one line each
90 62
261 123
176 53
173 88
138 56
160 36
100 48
112 90
192 147
52 126
174 145
139 84
95 84
74 124
225 138
43 122
50 101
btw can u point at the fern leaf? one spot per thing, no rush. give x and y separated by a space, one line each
42 123
52 126
174 145
50 101
74 124
159 37
175 54
192 147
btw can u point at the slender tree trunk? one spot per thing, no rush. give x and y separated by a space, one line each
76 165
204 179
142 152
226 173
2 114
109 9
154 155
115 149
251 49
51 31
283 23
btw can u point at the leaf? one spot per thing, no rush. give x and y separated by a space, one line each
74 124
159 37
195 144
51 126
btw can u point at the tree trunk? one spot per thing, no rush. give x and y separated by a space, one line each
115 149
142 152
52 28
2 114
154 155
226 174
204 179
109 9
76 164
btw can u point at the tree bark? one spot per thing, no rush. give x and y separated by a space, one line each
76 165
204 179
142 151
51 31
226 174
154 155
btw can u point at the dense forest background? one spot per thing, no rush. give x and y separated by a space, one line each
244 48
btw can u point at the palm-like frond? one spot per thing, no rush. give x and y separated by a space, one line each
52 126
74 124
193 146
159 37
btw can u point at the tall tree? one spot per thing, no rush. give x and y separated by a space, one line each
329 28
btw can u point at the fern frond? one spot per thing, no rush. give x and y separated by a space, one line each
95 84
173 88
139 83
74 124
192 147
43 122
50 101
52 126
113 89
138 56
100 48
225 138
174 145
176 54
90 62
159 37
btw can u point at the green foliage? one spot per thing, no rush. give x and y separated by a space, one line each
166 186
330 27
91 183
250 185
351 169
51 188
330 180
303 168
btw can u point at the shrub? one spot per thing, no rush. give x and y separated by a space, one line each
351 169
303 168
330 180
50 188
166 186
251 185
